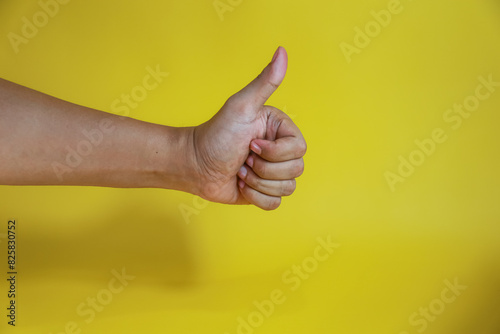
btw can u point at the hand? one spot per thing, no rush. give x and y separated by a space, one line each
250 153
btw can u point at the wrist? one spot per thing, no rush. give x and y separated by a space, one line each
175 162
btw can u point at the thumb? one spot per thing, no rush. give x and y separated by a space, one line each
262 87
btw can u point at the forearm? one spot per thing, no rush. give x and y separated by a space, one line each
47 141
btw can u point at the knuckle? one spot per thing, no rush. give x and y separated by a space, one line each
299 168
233 101
269 151
259 168
302 148
256 182
289 187
273 85
239 103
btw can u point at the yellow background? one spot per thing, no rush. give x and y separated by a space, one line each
199 275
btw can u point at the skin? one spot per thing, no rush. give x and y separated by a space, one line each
247 153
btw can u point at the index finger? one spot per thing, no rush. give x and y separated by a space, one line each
289 144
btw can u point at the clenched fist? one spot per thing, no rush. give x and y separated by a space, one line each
250 153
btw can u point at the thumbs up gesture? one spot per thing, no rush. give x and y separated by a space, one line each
250 153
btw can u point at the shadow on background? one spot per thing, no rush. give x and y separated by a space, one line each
487 319
152 246
484 317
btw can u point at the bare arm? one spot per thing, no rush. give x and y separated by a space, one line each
47 141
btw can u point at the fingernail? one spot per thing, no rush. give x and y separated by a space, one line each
241 184
243 172
275 55
256 148
250 161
